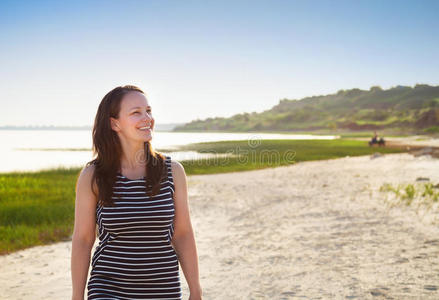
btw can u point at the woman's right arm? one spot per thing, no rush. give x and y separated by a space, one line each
84 232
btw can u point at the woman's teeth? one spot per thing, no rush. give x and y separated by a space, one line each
145 128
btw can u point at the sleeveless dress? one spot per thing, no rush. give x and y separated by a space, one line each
135 258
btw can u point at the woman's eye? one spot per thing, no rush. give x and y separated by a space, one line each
137 112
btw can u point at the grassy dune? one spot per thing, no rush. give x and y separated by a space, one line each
37 208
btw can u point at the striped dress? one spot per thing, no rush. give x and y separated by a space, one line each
135 258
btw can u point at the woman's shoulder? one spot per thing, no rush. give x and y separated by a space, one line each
174 163
177 168
86 176
89 169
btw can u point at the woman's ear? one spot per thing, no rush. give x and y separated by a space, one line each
114 124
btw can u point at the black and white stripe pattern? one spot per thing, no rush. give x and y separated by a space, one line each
135 258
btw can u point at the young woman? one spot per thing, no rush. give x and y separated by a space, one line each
138 199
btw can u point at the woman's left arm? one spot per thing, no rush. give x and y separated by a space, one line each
183 238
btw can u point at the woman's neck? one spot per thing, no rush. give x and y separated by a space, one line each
133 156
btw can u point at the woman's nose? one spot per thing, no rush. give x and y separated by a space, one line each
147 116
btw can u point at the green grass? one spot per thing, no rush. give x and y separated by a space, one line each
406 194
272 153
37 208
432 130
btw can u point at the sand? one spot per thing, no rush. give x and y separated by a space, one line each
313 230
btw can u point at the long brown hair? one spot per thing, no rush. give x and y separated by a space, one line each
108 150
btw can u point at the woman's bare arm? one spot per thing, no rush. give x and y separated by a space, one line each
183 238
84 232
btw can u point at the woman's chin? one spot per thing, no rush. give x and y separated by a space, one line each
144 137
147 139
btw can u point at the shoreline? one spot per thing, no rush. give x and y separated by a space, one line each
273 233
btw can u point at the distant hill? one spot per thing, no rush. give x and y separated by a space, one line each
402 108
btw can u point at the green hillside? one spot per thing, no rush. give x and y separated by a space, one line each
398 109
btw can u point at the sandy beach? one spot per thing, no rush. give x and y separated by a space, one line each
312 230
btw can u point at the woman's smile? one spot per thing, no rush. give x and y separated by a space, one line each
145 129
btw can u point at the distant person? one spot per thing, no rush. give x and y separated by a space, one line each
375 140
138 199
375 137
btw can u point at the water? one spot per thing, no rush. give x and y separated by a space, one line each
25 150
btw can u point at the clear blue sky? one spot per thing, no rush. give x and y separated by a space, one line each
199 59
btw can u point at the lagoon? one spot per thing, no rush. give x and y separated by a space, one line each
33 150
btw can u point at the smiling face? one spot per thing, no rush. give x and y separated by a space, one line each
135 121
